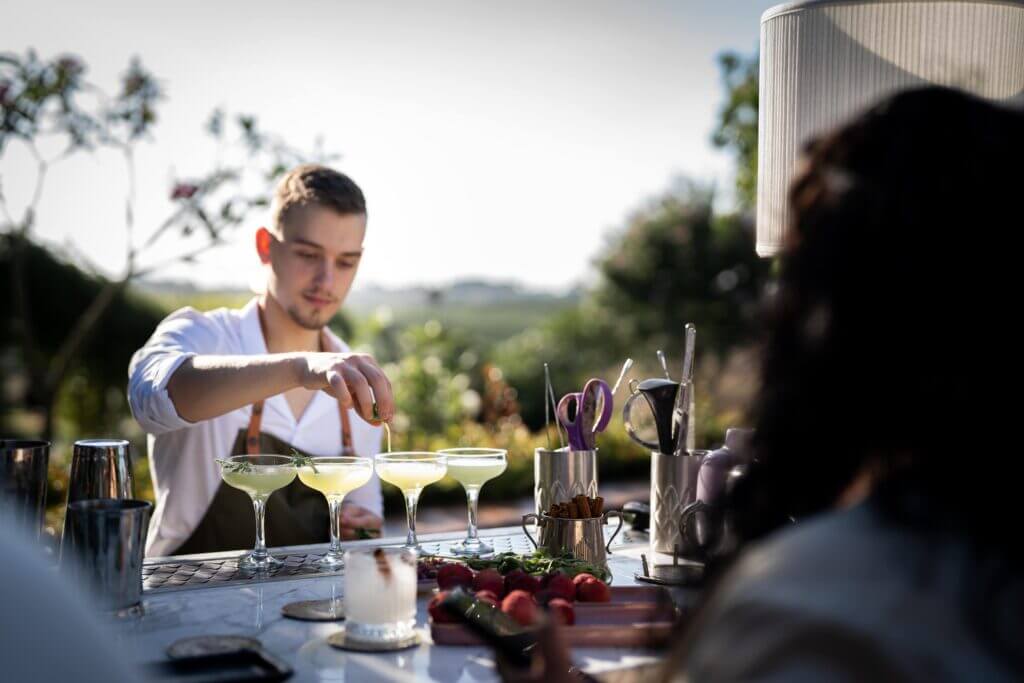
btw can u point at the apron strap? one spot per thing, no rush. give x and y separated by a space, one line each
252 432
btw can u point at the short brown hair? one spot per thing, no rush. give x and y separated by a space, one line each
315 185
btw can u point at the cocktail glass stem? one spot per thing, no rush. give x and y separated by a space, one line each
472 498
259 504
333 558
411 499
334 502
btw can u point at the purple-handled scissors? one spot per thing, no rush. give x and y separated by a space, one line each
577 411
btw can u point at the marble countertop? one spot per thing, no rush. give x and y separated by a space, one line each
254 610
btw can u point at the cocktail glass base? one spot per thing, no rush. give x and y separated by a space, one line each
471 547
332 561
258 562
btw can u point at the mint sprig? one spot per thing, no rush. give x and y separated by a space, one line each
301 460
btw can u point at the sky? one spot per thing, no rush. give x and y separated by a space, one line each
500 140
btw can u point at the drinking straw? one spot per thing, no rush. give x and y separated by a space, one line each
554 405
691 339
625 368
664 365
547 406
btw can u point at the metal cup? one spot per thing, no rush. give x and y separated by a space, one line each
104 544
100 468
583 538
23 482
561 475
673 487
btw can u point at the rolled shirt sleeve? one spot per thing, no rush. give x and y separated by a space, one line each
182 335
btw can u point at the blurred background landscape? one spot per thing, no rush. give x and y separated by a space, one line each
463 338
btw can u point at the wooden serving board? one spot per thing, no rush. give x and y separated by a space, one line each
636 616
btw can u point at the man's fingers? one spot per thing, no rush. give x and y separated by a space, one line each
381 385
336 387
360 390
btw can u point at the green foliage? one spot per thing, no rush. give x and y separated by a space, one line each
93 399
677 262
737 121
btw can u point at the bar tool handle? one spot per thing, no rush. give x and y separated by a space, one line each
528 517
628 424
687 525
604 520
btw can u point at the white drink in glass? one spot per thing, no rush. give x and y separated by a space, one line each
380 594
474 467
475 472
258 476
261 481
410 471
411 475
334 477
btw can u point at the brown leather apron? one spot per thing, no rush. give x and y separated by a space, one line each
296 514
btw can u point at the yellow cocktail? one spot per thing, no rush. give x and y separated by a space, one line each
334 477
410 471
258 476
474 467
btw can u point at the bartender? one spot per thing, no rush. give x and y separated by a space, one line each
265 378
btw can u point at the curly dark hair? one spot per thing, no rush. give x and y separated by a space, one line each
892 312
889 353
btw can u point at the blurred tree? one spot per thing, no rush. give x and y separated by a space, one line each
737 122
46 103
677 262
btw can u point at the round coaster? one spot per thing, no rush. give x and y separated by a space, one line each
198 646
339 641
315 610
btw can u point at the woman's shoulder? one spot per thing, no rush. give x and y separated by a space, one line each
841 596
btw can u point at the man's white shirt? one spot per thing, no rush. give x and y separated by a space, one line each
182 454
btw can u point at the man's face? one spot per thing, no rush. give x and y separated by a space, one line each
314 263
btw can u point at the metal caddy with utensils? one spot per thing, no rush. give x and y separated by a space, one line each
582 538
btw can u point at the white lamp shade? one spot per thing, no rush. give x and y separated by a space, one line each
824 61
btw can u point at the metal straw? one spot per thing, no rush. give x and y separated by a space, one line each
625 368
691 339
554 405
547 406
664 365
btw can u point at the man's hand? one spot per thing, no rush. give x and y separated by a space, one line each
350 377
357 523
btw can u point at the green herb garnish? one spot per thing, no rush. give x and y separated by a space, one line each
236 466
301 460
537 563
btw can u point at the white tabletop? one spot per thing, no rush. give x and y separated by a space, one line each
254 610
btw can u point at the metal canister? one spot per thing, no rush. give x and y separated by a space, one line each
561 475
100 468
23 482
673 487
583 538
104 545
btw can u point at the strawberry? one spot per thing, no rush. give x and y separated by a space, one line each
561 586
488 596
520 606
439 614
580 578
452 574
520 580
593 591
562 612
489 580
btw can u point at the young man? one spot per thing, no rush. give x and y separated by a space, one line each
265 378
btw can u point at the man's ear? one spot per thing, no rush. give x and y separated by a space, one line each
263 240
